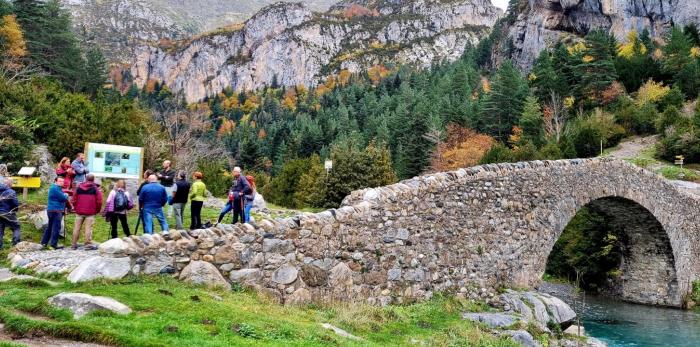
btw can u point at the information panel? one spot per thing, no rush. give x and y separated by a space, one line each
114 161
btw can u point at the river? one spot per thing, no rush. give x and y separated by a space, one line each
621 324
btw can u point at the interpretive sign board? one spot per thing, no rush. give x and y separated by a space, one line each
114 161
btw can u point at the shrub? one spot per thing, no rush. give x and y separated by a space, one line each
216 176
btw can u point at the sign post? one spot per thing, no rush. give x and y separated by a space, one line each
26 181
679 160
112 161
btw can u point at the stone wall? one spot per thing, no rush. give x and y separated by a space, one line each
468 231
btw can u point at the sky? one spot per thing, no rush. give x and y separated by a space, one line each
500 3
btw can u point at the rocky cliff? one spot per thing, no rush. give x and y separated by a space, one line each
119 25
293 45
540 23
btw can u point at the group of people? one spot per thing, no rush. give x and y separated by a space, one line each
74 189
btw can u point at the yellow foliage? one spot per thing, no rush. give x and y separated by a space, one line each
532 76
577 48
227 127
658 54
485 85
515 137
651 92
695 52
628 49
587 58
569 102
376 45
14 48
230 103
251 103
463 147
377 72
344 77
290 99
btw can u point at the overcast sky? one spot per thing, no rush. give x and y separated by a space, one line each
500 3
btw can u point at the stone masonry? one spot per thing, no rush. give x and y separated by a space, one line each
478 228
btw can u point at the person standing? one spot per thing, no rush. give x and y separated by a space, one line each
197 196
87 203
238 190
65 170
249 198
55 209
152 198
80 169
181 190
8 211
118 203
167 179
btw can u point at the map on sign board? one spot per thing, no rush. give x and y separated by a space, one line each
114 161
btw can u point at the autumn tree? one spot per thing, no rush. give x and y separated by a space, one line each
463 147
13 48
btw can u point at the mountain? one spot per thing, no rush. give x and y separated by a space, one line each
120 25
540 23
289 44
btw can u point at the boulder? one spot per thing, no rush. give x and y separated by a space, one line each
259 202
100 267
285 274
202 272
26 246
492 320
245 275
81 304
227 254
114 248
313 276
40 219
162 264
340 332
340 275
559 311
300 296
523 337
278 246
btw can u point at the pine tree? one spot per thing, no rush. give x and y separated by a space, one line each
532 122
95 75
595 70
504 104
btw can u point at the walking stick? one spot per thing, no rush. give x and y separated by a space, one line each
138 221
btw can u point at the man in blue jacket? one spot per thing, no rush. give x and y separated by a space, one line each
152 198
55 209
8 211
80 168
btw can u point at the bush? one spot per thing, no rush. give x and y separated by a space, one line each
216 176
499 153
15 137
587 133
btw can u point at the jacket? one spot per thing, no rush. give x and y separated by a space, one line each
8 199
182 191
57 199
167 177
109 204
240 185
198 191
153 195
87 199
80 170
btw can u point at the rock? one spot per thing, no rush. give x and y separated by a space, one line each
157 265
313 276
394 274
340 276
285 274
202 272
278 246
576 330
259 202
100 267
300 296
539 310
113 248
523 337
227 254
40 219
560 312
492 320
340 332
81 304
26 246
516 304
245 275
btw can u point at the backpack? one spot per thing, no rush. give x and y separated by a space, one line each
121 202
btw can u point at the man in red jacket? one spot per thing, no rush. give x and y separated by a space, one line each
87 202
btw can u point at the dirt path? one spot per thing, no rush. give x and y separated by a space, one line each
42 341
633 147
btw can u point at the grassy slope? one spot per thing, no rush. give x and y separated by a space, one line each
164 314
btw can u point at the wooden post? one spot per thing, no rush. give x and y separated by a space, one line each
25 191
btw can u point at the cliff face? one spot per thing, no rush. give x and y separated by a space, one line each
293 45
120 25
543 22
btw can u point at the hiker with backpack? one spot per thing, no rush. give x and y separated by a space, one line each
87 203
118 203
249 198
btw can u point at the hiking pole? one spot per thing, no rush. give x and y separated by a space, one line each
138 221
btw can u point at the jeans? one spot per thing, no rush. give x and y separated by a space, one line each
227 208
9 219
248 207
53 228
179 209
169 191
89 221
148 214
119 217
196 212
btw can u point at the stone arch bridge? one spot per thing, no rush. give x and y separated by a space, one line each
482 227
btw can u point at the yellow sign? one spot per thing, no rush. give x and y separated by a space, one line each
30 182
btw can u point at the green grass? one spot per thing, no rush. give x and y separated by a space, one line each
238 318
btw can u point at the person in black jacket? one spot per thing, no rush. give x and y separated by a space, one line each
181 189
237 193
167 180
8 211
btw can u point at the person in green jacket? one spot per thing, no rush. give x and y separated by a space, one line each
198 193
